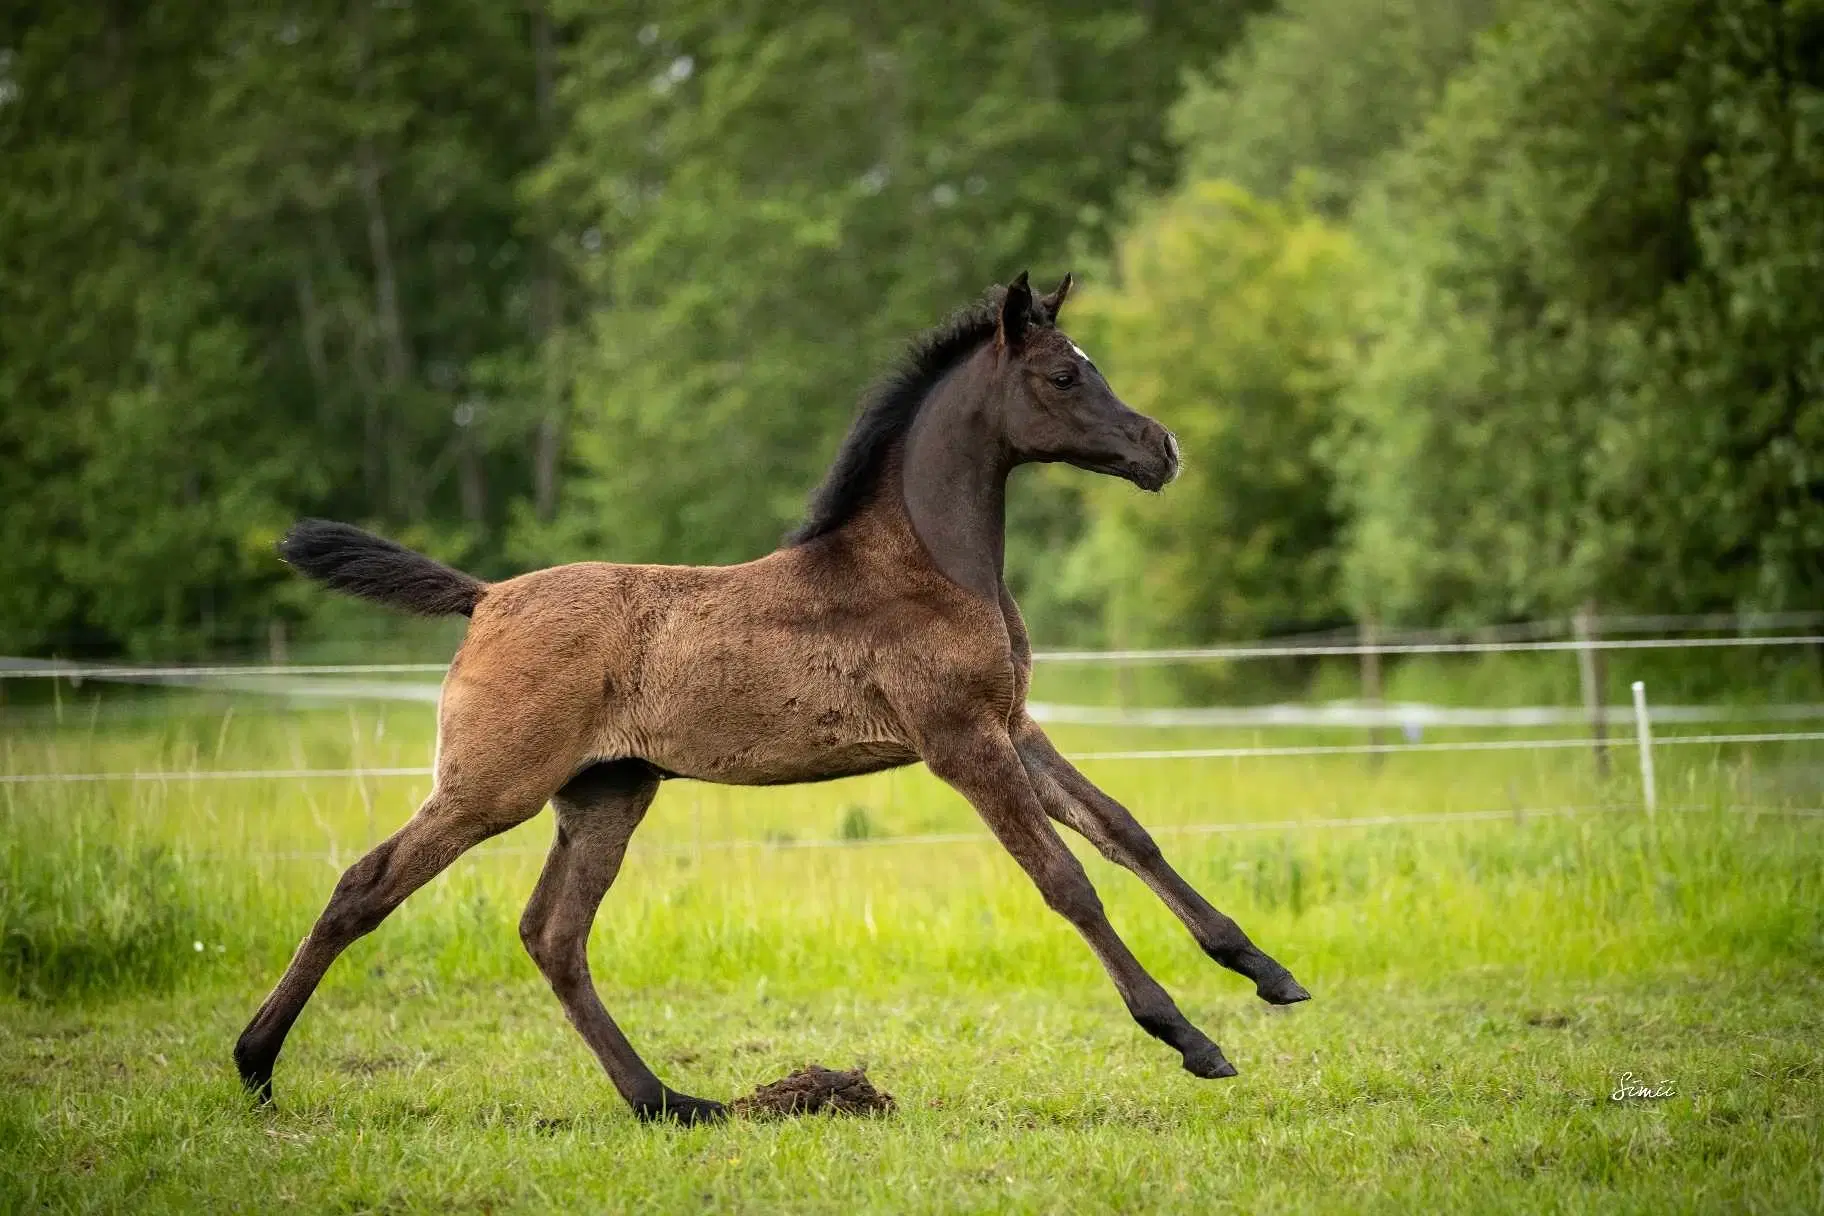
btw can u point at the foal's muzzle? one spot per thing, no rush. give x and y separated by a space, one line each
1159 467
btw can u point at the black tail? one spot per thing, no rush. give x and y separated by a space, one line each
374 568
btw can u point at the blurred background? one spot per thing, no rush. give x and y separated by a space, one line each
1467 312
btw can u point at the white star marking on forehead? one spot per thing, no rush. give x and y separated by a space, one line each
1081 353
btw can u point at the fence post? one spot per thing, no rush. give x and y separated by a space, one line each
1592 676
1371 680
1645 733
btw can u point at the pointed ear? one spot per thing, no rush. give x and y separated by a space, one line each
1053 302
1016 314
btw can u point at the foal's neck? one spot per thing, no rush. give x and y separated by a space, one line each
953 482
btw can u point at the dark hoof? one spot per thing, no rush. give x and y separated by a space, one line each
680 1108
256 1073
1210 1064
1281 989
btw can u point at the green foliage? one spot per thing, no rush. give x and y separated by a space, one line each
1505 306
1594 369
250 259
1575 358
519 284
373 226
857 824
1221 326
97 914
1319 90
123 515
771 198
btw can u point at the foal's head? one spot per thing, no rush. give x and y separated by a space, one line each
1055 405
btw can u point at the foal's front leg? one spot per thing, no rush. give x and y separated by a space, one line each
981 763
1071 798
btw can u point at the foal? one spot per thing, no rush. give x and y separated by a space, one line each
880 634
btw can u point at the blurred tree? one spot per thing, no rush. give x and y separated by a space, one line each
262 263
1596 367
1315 94
140 460
1324 89
521 283
1221 325
354 171
770 199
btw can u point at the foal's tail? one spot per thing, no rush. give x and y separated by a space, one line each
374 568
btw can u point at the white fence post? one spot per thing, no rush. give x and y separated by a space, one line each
1644 731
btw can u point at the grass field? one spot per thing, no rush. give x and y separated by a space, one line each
1482 986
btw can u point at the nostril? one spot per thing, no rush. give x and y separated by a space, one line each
1171 456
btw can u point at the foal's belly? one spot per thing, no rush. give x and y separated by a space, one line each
759 722
821 764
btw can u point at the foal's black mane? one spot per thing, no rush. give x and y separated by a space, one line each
889 407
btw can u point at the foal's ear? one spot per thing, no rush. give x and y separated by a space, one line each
1016 314
1055 300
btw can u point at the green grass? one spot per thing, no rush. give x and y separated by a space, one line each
1480 988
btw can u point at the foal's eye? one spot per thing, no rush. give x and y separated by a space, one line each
1063 379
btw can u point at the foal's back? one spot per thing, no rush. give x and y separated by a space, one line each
794 667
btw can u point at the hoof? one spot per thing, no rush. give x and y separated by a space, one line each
682 1109
1281 989
256 1074
1272 982
1209 1064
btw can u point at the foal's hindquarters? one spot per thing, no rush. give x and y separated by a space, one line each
501 756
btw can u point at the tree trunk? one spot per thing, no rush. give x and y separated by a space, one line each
310 316
343 318
471 478
386 279
396 360
547 305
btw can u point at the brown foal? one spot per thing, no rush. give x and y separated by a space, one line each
880 634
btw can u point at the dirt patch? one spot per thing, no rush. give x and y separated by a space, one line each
1550 1021
815 1089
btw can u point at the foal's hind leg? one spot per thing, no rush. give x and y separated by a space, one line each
1071 798
444 828
596 814
982 764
